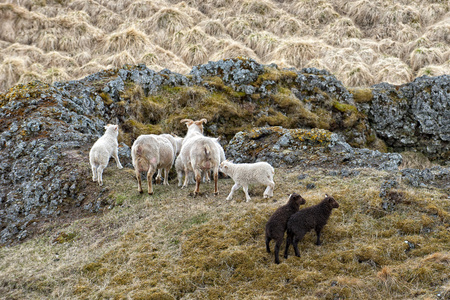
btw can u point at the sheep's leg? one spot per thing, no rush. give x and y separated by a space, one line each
318 230
186 178
166 176
295 244
277 250
198 178
288 243
270 189
234 188
150 173
180 178
116 157
94 173
247 197
138 177
100 169
268 239
158 177
216 180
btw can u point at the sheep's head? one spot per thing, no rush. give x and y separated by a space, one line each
297 199
224 166
112 129
198 123
331 202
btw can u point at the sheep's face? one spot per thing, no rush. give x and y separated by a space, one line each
223 167
112 128
297 198
332 202
198 123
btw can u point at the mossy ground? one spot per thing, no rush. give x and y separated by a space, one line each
172 245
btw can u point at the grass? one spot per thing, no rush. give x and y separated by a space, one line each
385 41
171 245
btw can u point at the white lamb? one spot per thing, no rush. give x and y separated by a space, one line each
149 153
245 174
102 150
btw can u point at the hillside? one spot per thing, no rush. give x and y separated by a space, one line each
63 236
349 99
361 42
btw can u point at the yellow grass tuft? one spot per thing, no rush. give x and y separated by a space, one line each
142 9
365 13
421 57
130 40
232 49
213 28
357 74
11 69
119 59
169 20
287 26
393 71
435 70
298 52
262 43
341 29
194 54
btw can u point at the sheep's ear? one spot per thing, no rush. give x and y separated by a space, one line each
187 121
116 127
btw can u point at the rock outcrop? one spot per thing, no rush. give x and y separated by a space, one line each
46 130
415 115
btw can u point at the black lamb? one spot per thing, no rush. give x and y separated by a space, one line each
313 217
276 225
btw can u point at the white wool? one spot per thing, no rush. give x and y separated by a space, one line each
251 173
199 153
102 150
149 153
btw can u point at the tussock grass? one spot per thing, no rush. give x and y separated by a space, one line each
131 40
267 31
421 57
392 70
297 53
171 245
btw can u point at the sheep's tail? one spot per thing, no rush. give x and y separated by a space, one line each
207 151
141 163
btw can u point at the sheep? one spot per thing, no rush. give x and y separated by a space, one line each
149 153
199 153
277 223
179 167
175 144
313 217
102 150
245 174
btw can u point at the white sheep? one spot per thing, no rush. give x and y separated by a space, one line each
149 153
102 150
179 167
245 174
199 153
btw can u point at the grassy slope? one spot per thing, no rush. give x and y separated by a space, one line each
172 245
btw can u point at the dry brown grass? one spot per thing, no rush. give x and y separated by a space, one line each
171 245
415 34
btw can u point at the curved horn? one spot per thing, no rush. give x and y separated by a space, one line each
204 120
